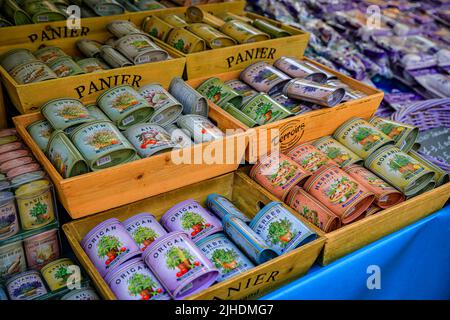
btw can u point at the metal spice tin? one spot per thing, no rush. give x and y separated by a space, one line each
174 20
178 136
264 77
296 68
242 89
270 29
12 259
40 131
65 112
121 28
9 222
125 106
90 48
213 38
309 157
64 67
372 210
133 280
329 75
57 273
185 41
105 7
350 93
228 16
278 174
312 210
48 54
219 93
156 27
321 94
247 240
90 65
361 137
195 14
81 294
15 13
429 186
26 286
263 109
294 106
385 195
33 71
13 155
280 229
190 217
96 113
102 145
114 58
140 49
108 245
42 248
66 159
12 146
404 135
26 168
239 115
149 139
440 176
243 32
15 57
399 169
192 101
43 11
221 206
339 192
144 229
337 152
200 128
225 256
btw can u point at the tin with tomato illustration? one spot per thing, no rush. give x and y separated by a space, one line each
219 93
57 273
221 207
200 128
64 113
156 27
403 134
179 265
399 169
225 256
121 28
26 286
81 294
339 192
214 39
48 54
90 65
114 58
12 259
192 101
312 210
96 113
109 244
385 195
440 176
64 67
185 41
9 221
190 217
242 89
139 49
278 174
42 249
149 139
264 77
361 137
33 71
15 57
243 32
321 94
295 68
309 157
144 229
263 109
178 136
133 280
336 151
40 131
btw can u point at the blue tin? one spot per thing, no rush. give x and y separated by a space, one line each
221 206
3 295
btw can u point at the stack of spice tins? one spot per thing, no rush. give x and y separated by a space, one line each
267 93
334 181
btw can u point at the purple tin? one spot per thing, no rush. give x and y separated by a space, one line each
264 77
179 265
27 285
144 229
190 217
322 94
108 245
296 68
133 280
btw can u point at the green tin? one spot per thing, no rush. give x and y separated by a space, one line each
43 11
403 134
96 113
337 152
430 186
65 66
440 176
16 57
40 131
270 29
105 7
49 54
263 109
65 112
219 93
90 65
15 13
238 114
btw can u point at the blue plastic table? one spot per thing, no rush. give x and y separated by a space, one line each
412 263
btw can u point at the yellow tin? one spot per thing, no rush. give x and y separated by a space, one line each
440 176
195 15
228 16
185 41
57 274
156 27
213 38
174 20
243 32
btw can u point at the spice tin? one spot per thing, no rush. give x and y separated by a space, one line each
43 11
167 108
40 131
144 229
429 186
278 174
339 192
81 294
185 41
42 249
264 77
7 166
8 132
247 240
109 244
35 204
12 259
149 139
102 144
195 14
27 168
294 106
7 156
64 67
372 210
312 210
214 39
48 54
121 28
225 256
65 112
139 49
156 27
385 195
8 140
17 15
337 152
243 32
238 114
27 177
178 136
57 273
350 93
219 93
105 7
270 29
190 217
221 207
90 65
144 5
33 71
15 57
192 101
281 230
96 113
310 91
309 157
26 286
228 16
399 169
11 146
133 280
263 109
242 89
89 48
296 68
200 128
3 296
440 176
66 159
330 76
404 135
174 20
113 57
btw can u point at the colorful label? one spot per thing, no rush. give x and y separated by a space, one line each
136 44
61 157
393 130
41 251
65 113
336 152
49 54
221 206
27 287
9 224
242 89
36 211
58 274
157 28
12 260
181 40
309 157
263 76
370 180
214 90
41 132
32 72
264 109
65 67
144 230
149 139
293 67
201 128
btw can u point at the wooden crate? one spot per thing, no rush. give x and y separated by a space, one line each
304 127
247 196
98 191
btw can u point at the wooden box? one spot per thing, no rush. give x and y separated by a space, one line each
246 195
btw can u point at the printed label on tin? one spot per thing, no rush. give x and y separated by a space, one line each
390 129
66 112
8 217
145 231
262 110
221 206
60 156
36 211
27 287
98 138
336 152
308 157
104 160
12 260
42 251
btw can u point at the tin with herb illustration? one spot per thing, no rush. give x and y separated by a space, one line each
278 174
243 32
219 93
179 265
26 286
440 176
192 101
139 49
16 57
263 109
361 137
65 112
89 48
281 230
270 29
200 128
133 280
17 15
64 67
185 41
114 58
264 77
48 54
167 108
66 159
337 152
239 115
296 68
190 217
339 192
178 136
144 229
399 169
312 210
225 256
309 157
102 145
404 135
156 27
81 294
125 106
321 94
242 89
174 20
214 39
42 249
385 195
105 7
9 222
90 65
108 245
12 259
149 139
40 131
43 11
57 274
197 15
221 207
96 113
33 71
121 28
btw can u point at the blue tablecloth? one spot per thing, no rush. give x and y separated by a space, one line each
414 263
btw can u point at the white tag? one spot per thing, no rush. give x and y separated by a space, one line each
103 161
128 120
